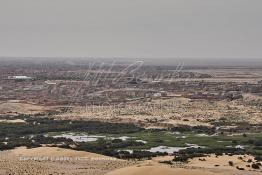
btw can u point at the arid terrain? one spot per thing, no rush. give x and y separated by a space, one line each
52 160
129 118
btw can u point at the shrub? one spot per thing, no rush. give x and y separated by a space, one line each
255 166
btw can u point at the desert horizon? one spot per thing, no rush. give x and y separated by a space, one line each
122 87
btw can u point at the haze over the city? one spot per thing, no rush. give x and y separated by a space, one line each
125 28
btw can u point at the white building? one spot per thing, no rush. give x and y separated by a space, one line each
20 77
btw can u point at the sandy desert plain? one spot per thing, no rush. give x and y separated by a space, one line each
77 120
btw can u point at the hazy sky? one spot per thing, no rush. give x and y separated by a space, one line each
131 28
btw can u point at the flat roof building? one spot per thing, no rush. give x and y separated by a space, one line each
19 77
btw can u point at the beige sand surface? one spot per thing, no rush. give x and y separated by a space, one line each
169 112
54 151
158 170
95 164
222 163
22 108
12 121
194 167
22 161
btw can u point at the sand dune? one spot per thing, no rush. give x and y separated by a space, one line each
96 164
88 164
158 170
54 151
222 163
212 166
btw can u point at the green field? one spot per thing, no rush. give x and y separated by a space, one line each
40 130
154 138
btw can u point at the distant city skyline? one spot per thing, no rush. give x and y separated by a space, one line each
137 28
